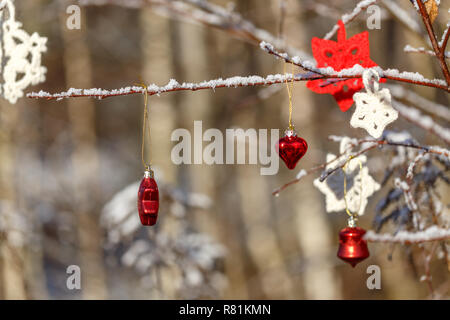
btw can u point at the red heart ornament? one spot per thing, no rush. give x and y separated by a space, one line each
291 149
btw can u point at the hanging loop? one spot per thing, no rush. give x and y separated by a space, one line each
371 80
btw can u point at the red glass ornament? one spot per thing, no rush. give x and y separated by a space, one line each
341 54
148 200
352 247
291 148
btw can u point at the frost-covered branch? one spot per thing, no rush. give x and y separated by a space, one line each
410 49
438 50
346 18
356 71
371 144
433 233
412 98
402 16
208 14
173 85
423 121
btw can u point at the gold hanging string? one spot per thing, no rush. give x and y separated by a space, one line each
145 127
352 215
289 90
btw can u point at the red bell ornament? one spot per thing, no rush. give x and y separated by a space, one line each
352 247
148 199
291 148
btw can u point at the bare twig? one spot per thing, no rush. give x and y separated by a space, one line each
437 50
346 18
375 143
433 233
173 85
351 74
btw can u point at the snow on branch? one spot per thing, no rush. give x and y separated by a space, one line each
402 16
433 233
357 70
368 144
208 14
409 96
346 18
410 49
423 121
173 85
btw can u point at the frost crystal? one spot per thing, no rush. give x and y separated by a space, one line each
22 54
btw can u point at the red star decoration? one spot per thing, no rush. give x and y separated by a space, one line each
343 54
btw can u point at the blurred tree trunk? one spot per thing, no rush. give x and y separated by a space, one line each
157 68
314 232
12 262
85 159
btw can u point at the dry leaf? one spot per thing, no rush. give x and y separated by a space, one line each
432 9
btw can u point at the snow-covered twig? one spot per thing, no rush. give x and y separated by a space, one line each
173 85
346 18
402 16
438 50
356 71
412 98
423 121
410 49
433 233
208 14
372 144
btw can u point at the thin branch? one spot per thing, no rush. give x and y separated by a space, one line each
403 17
437 50
173 85
346 18
208 14
435 109
375 143
433 233
410 49
445 37
423 121
356 71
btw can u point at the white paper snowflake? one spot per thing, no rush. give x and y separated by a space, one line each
373 108
360 185
22 55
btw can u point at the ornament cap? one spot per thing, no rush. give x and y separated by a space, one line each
148 173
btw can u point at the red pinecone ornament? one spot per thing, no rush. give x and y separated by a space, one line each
352 247
291 148
148 200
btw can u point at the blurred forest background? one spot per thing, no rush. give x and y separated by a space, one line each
69 169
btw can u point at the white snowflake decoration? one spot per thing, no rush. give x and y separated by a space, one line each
360 185
22 53
373 108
